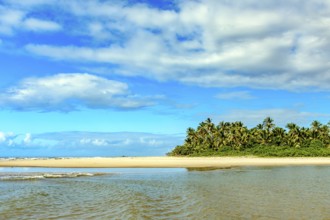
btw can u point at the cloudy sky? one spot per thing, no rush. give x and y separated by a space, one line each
128 77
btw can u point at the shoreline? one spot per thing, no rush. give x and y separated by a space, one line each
163 162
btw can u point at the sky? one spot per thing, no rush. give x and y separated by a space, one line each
128 77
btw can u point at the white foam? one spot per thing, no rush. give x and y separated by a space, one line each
38 176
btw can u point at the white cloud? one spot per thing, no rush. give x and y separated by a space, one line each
94 144
27 138
98 31
273 44
2 137
258 44
40 25
67 92
13 18
7 138
235 95
12 145
9 19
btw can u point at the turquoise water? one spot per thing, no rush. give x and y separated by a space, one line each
240 193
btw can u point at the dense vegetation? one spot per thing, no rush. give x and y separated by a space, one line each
266 139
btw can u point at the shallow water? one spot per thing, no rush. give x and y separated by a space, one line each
240 193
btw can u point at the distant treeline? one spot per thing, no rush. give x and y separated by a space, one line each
266 139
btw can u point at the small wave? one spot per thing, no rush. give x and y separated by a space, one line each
8 158
20 177
33 158
39 176
68 175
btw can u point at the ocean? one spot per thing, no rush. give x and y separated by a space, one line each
237 193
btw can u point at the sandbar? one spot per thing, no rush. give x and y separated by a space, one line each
162 162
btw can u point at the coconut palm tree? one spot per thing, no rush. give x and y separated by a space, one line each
315 129
279 136
240 135
192 139
257 135
293 135
268 124
268 127
236 136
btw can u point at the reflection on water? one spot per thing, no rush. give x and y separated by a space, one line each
238 193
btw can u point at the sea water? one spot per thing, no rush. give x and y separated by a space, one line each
238 193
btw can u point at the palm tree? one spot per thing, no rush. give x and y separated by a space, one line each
316 128
279 136
220 135
191 140
293 135
240 135
305 137
236 136
268 126
257 135
205 133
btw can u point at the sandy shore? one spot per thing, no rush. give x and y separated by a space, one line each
162 162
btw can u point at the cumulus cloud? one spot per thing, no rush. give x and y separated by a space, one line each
9 19
3 137
14 19
118 143
40 25
67 92
8 138
235 95
273 44
258 44
92 144
27 138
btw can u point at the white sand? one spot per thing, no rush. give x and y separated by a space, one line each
163 162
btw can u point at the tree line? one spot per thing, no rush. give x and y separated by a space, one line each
265 139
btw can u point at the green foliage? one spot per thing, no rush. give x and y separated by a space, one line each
265 140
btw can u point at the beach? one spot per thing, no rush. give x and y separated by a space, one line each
162 162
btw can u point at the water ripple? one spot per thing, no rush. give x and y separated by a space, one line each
279 193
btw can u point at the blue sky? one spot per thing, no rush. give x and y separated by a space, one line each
113 78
